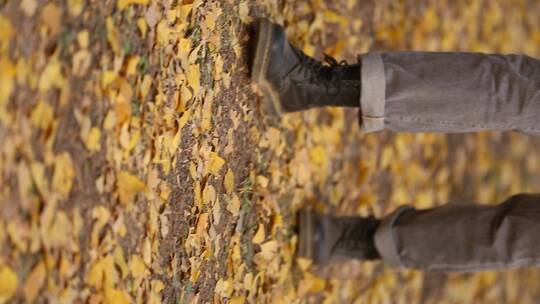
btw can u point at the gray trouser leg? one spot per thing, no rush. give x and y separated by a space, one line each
450 92
463 237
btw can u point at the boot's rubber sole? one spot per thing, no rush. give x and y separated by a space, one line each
261 61
305 238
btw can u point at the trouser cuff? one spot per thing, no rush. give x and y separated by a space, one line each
372 99
385 241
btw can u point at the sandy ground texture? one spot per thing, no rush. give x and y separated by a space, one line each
137 167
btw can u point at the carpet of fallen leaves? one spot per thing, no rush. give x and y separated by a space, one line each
136 165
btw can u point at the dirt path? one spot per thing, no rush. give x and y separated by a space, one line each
137 166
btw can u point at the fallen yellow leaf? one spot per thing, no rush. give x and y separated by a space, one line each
304 263
228 181
122 4
101 215
128 185
115 296
259 235
137 267
113 36
8 283
51 76
29 7
56 235
238 300
93 140
120 261
7 73
75 7
51 16
42 115
202 222
132 63
143 27
34 282
215 163
193 77
269 249
208 195
318 155
63 174
233 205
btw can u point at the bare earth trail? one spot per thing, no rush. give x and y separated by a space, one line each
137 166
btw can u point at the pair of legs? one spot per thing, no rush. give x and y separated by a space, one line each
417 92
455 93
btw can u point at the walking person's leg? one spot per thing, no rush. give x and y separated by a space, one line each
448 238
450 92
404 91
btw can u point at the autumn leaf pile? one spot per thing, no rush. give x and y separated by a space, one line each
137 167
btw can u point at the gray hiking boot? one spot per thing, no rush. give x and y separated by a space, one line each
325 239
292 81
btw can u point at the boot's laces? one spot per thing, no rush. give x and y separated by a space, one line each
353 237
315 72
356 235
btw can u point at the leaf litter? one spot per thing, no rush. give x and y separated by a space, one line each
138 167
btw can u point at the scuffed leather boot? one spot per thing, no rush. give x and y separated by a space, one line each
292 81
325 238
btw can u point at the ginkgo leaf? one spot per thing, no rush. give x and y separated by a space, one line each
93 140
8 283
6 29
193 77
42 115
259 235
215 163
120 262
113 36
209 195
51 76
34 282
75 7
238 300
202 222
137 267
228 181
233 205
29 7
269 249
7 73
122 4
63 174
115 296
152 100
128 185
304 263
